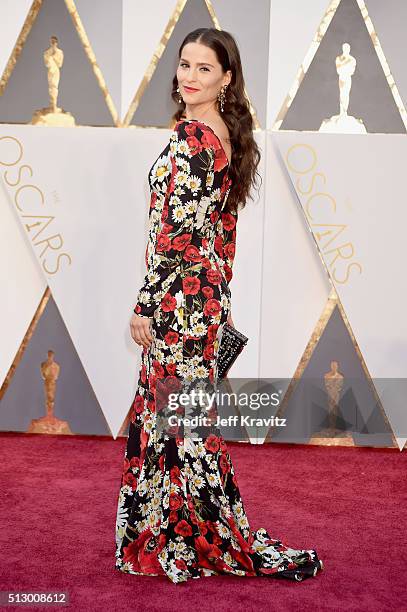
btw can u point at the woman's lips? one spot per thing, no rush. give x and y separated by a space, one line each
190 89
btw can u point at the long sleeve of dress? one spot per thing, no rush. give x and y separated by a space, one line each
192 162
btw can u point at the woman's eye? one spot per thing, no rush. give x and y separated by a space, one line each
203 67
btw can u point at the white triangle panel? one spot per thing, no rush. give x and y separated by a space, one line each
22 283
94 188
13 14
352 190
291 268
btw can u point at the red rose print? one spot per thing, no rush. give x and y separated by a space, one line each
130 480
142 554
168 303
208 352
207 292
224 464
227 272
210 525
194 145
161 462
190 129
220 160
135 462
171 368
208 554
176 501
180 564
192 254
214 276
173 383
218 245
174 172
171 337
164 216
243 559
209 140
172 430
202 527
173 518
181 242
163 242
212 331
166 227
153 199
230 250
212 443
228 221
183 528
175 474
151 381
138 404
212 307
158 368
191 285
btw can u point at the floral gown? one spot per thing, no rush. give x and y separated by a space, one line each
180 513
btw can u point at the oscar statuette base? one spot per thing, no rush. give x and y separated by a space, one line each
53 118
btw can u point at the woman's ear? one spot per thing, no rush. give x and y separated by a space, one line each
227 78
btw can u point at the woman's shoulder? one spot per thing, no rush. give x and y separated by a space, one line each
189 126
206 134
218 127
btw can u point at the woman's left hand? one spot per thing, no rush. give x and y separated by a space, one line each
229 319
140 329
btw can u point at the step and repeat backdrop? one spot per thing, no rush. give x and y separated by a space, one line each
319 283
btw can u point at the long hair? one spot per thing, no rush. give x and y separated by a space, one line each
236 114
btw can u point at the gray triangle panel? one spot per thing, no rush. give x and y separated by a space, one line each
75 400
308 412
156 106
370 97
27 88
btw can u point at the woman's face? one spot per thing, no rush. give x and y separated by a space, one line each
200 70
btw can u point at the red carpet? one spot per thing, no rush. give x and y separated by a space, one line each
58 507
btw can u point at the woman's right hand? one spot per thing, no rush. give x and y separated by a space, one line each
140 330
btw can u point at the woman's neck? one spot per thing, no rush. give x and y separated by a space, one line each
200 112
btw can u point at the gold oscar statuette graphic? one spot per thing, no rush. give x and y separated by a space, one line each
49 424
53 115
344 123
331 435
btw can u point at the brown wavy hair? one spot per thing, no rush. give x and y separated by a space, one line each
236 114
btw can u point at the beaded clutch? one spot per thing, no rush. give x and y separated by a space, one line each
231 345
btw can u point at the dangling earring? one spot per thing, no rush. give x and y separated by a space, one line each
180 100
222 97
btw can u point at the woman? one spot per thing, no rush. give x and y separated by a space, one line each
180 513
